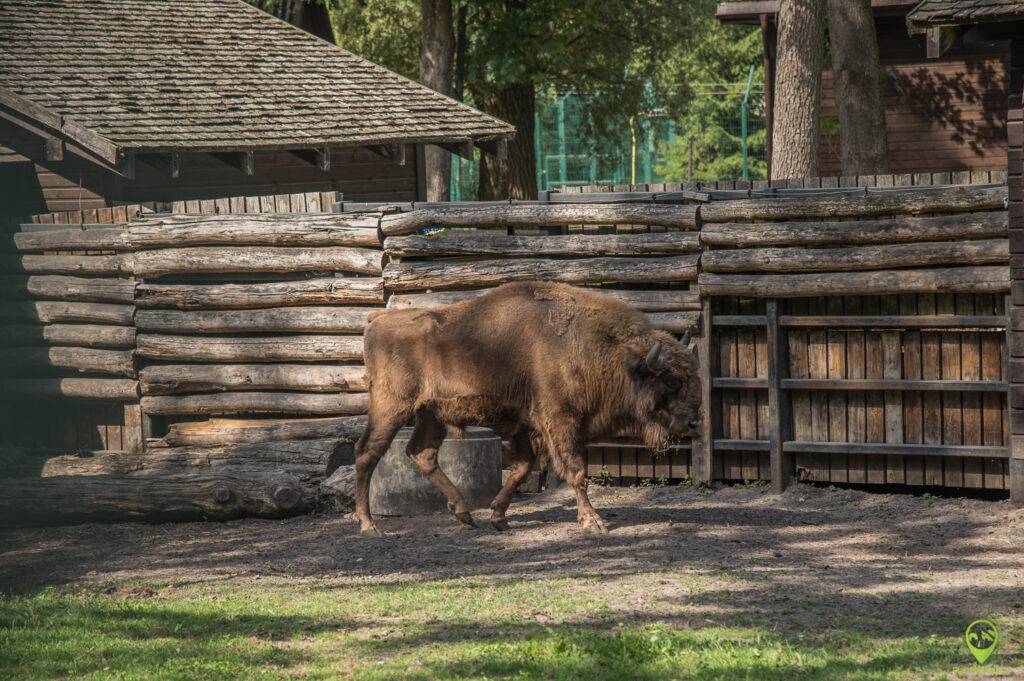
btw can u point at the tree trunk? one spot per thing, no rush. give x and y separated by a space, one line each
858 92
309 15
798 89
515 176
437 50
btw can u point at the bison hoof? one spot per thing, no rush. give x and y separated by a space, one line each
465 518
594 525
370 530
500 524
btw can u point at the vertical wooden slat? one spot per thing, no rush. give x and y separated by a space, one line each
837 408
970 369
778 417
133 435
746 364
952 415
874 400
817 367
912 422
701 455
931 402
892 367
856 412
992 403
800 400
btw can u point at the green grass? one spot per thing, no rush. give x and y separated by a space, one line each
458 629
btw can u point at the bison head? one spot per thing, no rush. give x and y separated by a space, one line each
667 390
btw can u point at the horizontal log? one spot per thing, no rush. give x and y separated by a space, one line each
118 389
249 348
67 264
890 230
270 479
256 403
299 229
958 199
469 243
52 312
170 379
647 301
323 291
217 432
676 322
81 335
981 279
99 239
981 252
895 321
277 319
684 217
91 360
68 288
228 259
409 276
894 449
909 385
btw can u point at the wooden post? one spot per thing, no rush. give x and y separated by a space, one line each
702 449
781 470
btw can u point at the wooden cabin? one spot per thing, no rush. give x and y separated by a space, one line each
108 103
944 111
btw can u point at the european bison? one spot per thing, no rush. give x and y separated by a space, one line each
560 365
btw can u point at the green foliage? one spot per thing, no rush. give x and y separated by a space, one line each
386 32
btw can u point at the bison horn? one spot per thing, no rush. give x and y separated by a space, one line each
686 338
653 356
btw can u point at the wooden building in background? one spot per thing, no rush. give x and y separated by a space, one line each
943 113
112 102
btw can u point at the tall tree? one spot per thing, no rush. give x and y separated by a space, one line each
863 147
798 89
309 15
437 52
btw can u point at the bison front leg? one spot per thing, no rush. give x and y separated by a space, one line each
521 458
426 439
566 449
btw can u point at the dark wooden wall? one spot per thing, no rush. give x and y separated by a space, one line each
941 114
30 188
1015 185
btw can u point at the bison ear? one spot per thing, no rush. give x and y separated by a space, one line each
686 339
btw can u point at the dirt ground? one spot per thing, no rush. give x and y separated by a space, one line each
808 555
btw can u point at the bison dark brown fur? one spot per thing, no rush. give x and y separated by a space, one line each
561 365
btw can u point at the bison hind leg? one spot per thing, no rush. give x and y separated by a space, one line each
521 458
372 444
426 439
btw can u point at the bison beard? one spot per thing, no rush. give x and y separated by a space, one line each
547 364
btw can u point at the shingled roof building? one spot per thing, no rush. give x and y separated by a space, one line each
124 101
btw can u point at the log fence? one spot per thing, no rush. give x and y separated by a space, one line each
851 335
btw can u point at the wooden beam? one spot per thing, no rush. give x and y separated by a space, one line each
392 152
938 40
239 160
778 419
169 163
53 149
463 148
125 165
892 449
701 453
497 148
319 157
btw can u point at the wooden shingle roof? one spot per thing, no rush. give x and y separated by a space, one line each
211 75
961 12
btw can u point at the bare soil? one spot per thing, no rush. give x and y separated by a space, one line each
811 557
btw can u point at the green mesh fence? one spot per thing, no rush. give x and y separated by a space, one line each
706 144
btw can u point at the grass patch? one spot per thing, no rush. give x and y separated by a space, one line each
439 629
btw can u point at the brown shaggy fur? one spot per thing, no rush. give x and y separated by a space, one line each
560 365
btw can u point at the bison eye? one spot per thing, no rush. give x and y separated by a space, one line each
673 385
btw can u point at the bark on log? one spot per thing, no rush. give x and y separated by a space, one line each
67 264
462 243
81 335
647 301
325 291
890 230
220 432
676 322
982 252
684 217
958 199
116 362
445 275
226 259
100 239
301 229
118 389
249 348
171 379
274 479
69 288
278 319
51 312
224 404
982 279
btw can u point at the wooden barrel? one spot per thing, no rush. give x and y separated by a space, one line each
473 463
